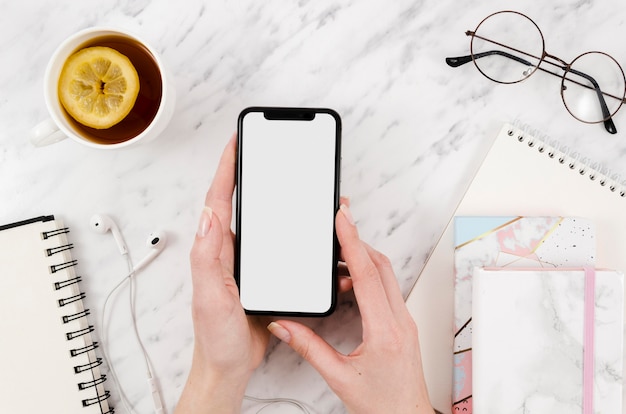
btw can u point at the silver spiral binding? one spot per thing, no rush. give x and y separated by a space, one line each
77 314
572 160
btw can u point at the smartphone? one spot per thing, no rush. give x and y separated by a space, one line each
288 167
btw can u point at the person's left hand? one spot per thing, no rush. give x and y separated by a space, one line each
229 345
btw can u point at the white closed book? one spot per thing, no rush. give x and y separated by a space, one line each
534 347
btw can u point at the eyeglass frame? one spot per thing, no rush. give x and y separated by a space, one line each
560 63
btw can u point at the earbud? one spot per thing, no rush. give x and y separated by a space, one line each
101 223
156 242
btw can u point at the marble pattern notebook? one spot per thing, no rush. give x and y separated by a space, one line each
541 242
528 341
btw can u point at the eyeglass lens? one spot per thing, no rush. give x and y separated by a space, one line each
507 47
593 87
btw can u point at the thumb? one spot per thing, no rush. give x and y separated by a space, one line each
323 357
205 253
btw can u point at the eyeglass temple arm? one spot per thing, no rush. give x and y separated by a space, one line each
609 125
462 60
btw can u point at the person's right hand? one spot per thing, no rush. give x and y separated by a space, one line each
384 373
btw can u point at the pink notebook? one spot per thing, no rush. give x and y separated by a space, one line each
507 242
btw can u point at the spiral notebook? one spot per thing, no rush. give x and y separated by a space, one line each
48 362
521 175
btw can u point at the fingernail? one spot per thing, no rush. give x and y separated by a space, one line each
205 222
279 332
346 212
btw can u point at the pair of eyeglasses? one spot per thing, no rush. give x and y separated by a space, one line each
508 47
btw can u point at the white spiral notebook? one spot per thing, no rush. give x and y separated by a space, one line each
520 176
48 362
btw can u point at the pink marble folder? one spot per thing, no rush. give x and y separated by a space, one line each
509 242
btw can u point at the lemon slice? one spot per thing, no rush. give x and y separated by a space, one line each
98 86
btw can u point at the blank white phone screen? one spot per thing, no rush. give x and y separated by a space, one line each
287 209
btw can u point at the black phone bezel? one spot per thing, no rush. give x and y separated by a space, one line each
295 114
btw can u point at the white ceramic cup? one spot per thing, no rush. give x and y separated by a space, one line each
60 126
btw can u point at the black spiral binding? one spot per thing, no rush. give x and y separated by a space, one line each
74 316
80 368
64 283
47 234
89 384
533 138
61 266
59 285
87 348
80 332
71 299
97 400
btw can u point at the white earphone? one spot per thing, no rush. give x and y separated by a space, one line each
156 242
102 224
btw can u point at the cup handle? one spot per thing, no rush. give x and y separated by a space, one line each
46 133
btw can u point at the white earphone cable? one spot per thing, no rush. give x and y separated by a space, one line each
105 351
271 401
156 398
131 297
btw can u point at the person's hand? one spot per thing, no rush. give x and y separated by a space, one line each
384 373
228 346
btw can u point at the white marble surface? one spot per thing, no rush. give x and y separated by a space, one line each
412 128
